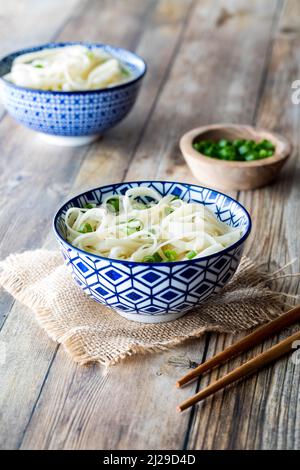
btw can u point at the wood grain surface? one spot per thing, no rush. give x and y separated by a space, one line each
208 62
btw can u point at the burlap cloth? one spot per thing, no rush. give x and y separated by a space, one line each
91 332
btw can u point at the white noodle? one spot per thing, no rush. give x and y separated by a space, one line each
143 226
70 68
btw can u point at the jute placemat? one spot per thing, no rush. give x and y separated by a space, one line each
92 332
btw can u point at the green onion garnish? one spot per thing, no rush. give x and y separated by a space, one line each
89 206
141 206
39 66
90 54
236 150
131 230
243 150
266 144
250 157
191 254
134 225
223 143
114 204
169 210
85 228
171 255
157 257
148 259
125 72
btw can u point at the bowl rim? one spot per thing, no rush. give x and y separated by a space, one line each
52 45
165 263
187 149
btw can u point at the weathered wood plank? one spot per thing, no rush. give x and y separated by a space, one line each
31 30
40 176
119 410
263 411
34 21
10 20
166 28
109 161
279 429
84 424
217 76
84 408
155 78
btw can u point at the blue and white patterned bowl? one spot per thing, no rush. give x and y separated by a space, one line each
75 117
155 292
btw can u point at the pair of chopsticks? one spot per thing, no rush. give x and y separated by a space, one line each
287 319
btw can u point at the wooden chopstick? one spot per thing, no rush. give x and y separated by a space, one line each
286 319
246 369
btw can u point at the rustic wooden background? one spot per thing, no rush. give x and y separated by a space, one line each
208 62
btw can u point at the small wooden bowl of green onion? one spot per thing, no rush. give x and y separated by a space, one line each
234 157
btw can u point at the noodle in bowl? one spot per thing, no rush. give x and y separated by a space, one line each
167 248
71 92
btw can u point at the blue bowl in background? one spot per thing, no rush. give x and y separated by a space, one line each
155 292
72 117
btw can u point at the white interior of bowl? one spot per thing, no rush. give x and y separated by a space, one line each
224 207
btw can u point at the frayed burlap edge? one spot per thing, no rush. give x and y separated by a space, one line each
74 344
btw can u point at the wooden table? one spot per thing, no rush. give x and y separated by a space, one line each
208 61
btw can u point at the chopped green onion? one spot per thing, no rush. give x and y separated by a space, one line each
198 146
39 66
191 254
238 149
155 258
266 144
114 204
85 228
262 153
223 143
171 255
250 157
169 210
125 72
243 149
135 223
237 142
131 230
148 259
89 206
141 206
250 143
210 151
226 154
90 54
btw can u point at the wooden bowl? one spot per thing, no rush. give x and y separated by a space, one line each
223 174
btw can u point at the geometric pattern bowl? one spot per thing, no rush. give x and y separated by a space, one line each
72 113
155 292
